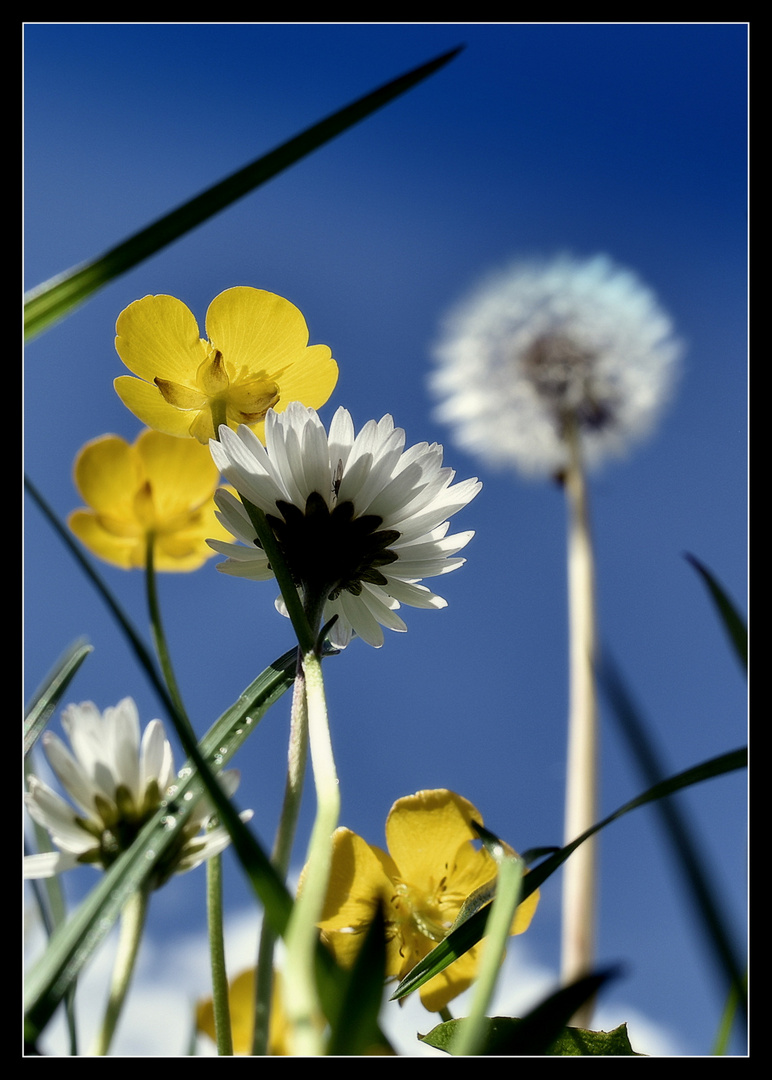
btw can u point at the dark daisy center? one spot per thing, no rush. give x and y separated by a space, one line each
329 551
562 373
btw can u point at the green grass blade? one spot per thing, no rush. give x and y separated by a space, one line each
723 1035
354 1028
730 617
463 937
73 944
55 298
48 694
139 648
689 860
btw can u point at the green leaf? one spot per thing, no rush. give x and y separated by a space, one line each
504 1032
48 694
730 617
464 936
354 1029
576 1042
55 298
73 943
699 872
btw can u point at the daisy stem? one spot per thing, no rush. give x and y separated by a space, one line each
301 999
579 880
220 1005
132 925
282 850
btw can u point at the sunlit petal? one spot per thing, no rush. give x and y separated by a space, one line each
256 358
340 508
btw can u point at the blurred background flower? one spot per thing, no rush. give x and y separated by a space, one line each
157 490
241 1002
545 344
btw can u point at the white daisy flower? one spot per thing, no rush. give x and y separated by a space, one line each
118 784
360 519
546 344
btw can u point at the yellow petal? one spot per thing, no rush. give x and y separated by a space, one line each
524 913
255 331
439 991
310 380
158 336
357 880
241 1001
148 405
181 472
107 473
424 831
176 555
161 487
127 552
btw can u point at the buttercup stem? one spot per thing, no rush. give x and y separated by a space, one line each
285 835
220 1005
213 870
132 925
218 411
159 640
579 874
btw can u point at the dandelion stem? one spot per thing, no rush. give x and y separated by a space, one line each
220 1005
132 924
301 1000
285 835
579 880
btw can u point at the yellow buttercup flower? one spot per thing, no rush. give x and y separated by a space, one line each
432 866
241 1002
256 358
159 488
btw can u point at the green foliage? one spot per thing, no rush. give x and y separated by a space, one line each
49 693
504 1032
730 617
697 870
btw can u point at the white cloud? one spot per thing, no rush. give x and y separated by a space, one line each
173 973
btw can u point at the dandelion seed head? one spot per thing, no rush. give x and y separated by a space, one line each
544 344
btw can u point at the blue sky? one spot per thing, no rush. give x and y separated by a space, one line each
537 139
